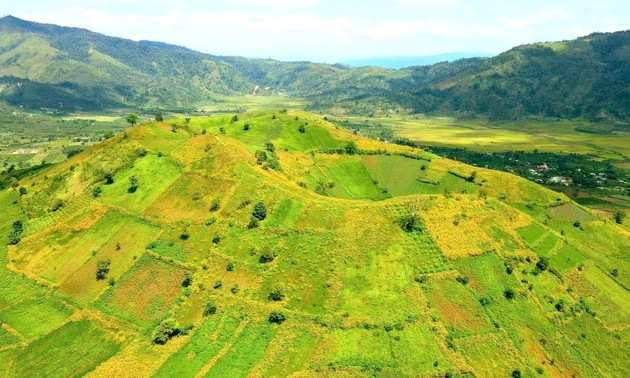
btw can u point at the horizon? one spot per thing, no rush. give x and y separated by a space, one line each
325 32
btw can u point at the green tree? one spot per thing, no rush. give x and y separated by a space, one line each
15 234
168 329
619 216
351 148
22 191
276 295
133 184
159 117
246 127
277 317
302 129
102 268
260 211
209 309
14 183
261 156
132 119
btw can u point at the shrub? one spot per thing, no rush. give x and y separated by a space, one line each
246 127
619 216
509 294
218 284
168 329
259 212
277 317
97 192
235 289
484 301
302 129
102 268
56 204
462 280
209 309
214 206
216 239
230 267
15 235
109 178
409 222
276 295
133 184
159 117
261 156
270 147
351 148
253 223
188 280
210 221
267 257
22 191
542 264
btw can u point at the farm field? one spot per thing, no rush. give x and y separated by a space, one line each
204 248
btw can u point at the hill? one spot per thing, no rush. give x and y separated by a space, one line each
67 69
273 244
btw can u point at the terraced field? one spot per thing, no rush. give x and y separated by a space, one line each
178 249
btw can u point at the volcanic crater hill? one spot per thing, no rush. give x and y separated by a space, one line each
277 244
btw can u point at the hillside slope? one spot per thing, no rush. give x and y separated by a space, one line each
47 66
182 248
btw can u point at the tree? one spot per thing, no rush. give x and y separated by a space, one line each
234 119
132 119
159 117
133 184
259 212
267 257
261 156
246 127
168 329
472 177
14 183
253 223
276 295
509 294
109 178
188 280
102 268
351 148
619 216
277 317
15 234
22 191
302 129
270 147
209 309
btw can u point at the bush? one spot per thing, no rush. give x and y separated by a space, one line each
56 204
214 206
619 216
277 317
102 268
97 192
276 295
253 223
15 235
267 257
351 148
218 284
22 191
246 127
270 147
509 294
230 267
159 117
188 280
133 184
409 222
209 309
109 178
542 264
302 129
484 301
261 156
259 212
168 329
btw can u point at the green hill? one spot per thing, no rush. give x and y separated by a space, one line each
276 244
67 69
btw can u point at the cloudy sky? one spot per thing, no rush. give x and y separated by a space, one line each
333 30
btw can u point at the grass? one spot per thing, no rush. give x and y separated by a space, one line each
205 343
362 296
72 350
153 285
35 317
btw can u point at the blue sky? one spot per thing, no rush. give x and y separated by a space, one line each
334 30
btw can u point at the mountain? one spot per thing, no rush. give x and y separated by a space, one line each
47 66
398 62
277 244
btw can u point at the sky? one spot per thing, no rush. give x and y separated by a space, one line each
333 31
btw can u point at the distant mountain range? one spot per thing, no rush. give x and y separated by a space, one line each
48 66
398 62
